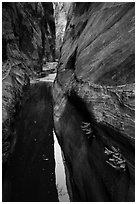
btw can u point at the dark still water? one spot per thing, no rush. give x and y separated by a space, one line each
30 174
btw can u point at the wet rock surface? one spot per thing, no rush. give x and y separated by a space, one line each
93 100
30 173
94 95
28 39
14 84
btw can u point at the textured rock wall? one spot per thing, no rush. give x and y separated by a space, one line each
61 10
29 32
28 38
95 84
13 86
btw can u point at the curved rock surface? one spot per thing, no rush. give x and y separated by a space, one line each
14 83
28 32
94 95
28 38
61 10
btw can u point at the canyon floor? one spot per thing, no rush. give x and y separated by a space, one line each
30 174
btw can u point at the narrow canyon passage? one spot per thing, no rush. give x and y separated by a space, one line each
31 172
68 101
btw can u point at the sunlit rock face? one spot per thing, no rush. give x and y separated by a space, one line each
94 94
29 32
60 11
28 38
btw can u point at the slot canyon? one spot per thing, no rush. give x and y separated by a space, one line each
68 101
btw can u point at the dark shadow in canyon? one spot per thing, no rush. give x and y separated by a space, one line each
92 176
30 173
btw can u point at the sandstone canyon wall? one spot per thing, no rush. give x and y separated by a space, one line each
28 39
94 94
60 10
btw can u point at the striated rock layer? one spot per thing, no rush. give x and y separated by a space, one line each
28 38
94 95
61 10
13 86
28 32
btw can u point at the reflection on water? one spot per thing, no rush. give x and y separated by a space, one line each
60 173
